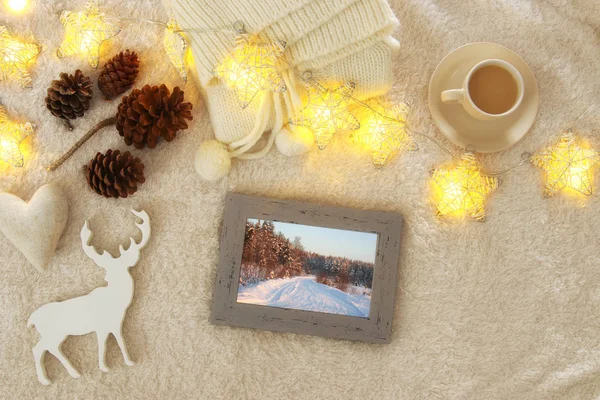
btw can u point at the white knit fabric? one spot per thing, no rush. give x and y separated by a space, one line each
337 41
317 32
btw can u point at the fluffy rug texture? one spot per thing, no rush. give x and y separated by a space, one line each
506 309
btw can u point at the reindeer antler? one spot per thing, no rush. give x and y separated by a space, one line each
86 237
144 227
127 258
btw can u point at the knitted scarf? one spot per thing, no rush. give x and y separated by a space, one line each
337 41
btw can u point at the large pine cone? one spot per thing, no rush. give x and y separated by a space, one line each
114 174
69 97
119 74
151 112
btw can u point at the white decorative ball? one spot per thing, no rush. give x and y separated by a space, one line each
212 160
294 143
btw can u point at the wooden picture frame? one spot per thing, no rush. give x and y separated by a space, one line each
227 310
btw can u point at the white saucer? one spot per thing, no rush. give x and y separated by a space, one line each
464 130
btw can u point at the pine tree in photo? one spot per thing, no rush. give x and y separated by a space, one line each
249 244
249 272
256 245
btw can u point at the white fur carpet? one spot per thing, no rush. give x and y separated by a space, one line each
507 309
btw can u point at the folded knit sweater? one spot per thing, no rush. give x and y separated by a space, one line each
337 41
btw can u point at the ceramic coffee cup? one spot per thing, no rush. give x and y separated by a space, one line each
465 94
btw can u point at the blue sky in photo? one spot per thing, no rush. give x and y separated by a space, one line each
360 246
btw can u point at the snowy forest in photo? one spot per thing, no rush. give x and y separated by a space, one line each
280 271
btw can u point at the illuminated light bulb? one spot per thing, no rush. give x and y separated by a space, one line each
567 165
17 5
252 67
11 136
176 48
326 112
462 189
383 131
84 33
15 57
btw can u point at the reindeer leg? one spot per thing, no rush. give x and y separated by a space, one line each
119 336
57 352
102 338
39 351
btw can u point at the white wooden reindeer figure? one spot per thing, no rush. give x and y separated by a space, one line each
102 311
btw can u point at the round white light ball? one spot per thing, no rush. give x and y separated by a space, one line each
17 5
295 142
212 160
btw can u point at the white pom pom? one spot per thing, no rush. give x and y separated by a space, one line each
294 143
212 160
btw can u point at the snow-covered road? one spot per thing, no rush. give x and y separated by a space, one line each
304 293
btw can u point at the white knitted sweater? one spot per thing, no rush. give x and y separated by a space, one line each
338 41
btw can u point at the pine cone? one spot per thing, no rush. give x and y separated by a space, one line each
69 97
119 74
151 112
114 174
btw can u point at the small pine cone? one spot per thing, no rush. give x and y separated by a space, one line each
69 97
119 74
152 112
114 174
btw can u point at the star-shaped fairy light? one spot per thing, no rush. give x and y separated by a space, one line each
567 165
84 33
462 189
14 58
176 47
327 112
16 6
11 136
252 67
384 131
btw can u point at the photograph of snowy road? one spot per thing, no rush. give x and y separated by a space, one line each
307 268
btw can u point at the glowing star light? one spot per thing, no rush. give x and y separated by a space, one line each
252 67
567 165
326 113
11 136
14 58
176 47
84 33
384 131
17 5
462 189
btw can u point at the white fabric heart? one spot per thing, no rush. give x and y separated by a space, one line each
34 228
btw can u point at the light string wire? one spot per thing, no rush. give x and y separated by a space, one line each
590 108
307 78
526 157
165 25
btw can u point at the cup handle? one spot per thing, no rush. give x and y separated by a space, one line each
453 95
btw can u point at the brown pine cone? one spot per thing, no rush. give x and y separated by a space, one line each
114 174
119 74
70 96
151 112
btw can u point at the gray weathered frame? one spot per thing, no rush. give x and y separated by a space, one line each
227 311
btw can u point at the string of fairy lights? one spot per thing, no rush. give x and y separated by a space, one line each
254 68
